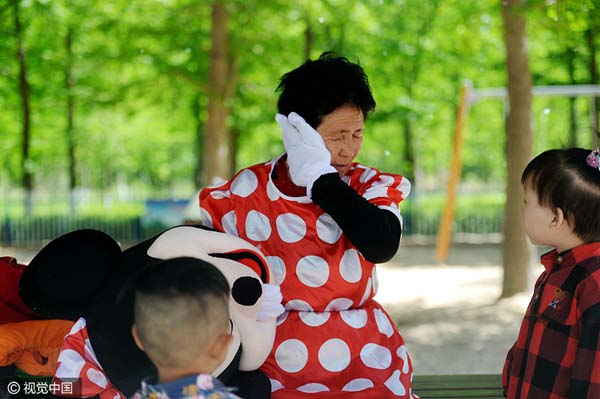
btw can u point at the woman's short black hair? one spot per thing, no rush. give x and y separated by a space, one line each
563 179
319 87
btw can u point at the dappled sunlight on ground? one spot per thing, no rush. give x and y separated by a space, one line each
450 316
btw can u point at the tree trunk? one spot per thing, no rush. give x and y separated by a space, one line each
308 38
233 137
198 139
26 177
408 156
572 122
590 38
217 140
70 131
517 254
573 125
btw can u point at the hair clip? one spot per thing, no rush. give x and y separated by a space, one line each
593 159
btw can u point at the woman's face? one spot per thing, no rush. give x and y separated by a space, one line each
342 131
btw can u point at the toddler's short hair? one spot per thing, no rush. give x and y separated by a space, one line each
180 306
563 179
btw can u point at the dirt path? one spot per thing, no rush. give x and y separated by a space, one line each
450 315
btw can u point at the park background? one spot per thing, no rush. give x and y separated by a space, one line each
112 109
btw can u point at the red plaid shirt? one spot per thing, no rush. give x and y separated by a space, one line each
557 353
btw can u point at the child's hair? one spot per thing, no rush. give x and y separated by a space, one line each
563 179
180 306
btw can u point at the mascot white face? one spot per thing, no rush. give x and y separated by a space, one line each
247 272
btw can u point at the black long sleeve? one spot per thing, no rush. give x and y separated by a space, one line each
374 231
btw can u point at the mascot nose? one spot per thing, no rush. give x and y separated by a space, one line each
246 290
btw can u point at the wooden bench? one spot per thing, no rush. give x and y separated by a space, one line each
458 386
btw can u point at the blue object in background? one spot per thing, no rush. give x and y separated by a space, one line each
165 212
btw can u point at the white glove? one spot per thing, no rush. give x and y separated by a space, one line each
307 156
271 306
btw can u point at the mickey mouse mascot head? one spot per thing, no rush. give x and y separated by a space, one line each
84 276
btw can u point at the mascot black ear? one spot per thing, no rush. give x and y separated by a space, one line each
63 278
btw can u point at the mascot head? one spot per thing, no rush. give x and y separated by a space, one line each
85 274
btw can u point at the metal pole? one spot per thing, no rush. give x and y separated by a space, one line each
445 228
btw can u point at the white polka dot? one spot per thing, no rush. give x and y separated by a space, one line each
277 267
376 192
244 184
383 323
350 267
356 318
291 228
216 182
282 318
402 353
312 270
299 305
205 218
367 293
258 227
339 304
327 229
385 180
220 194
376 356
275 385
117 396
291 355
358 384
334 355
367 175
89 353
395 385
404 187
375 281
97 377
313 387
71 364
229 223
314 319
346 179
80 324
272 192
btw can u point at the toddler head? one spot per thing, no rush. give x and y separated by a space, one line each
562 195
181 316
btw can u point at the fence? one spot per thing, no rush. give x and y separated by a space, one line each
35 230
38 229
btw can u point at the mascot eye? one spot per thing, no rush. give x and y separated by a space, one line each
246 290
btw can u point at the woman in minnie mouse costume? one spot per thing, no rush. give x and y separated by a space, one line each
323 221
84 276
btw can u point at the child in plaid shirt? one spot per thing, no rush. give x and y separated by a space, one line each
557 353
182 323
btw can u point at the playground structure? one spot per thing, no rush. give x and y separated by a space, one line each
467 98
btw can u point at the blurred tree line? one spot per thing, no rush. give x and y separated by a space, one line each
166 93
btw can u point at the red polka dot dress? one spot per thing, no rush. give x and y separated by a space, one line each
334 340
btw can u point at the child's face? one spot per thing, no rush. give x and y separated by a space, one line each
537 219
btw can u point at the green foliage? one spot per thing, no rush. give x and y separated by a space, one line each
141 69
